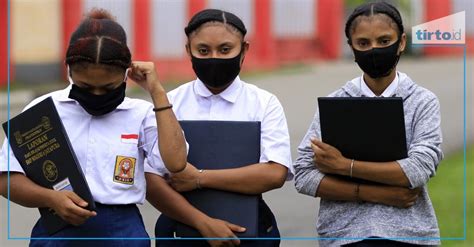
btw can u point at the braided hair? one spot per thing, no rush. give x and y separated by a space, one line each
99 39
215 16
371 9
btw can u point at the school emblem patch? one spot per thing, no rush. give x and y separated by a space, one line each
124 169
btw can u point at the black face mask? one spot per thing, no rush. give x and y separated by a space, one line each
216 72
98 105
378 62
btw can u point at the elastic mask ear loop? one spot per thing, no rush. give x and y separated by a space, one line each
69 78
125 78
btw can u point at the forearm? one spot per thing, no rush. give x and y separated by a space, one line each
251 179
171 203
171 141
329 160
26 193
389 173
3 185
337 189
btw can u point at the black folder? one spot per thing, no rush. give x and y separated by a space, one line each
223 145
41 146
363 128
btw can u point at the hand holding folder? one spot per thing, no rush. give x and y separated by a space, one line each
361 129
70 207
223 145
327 158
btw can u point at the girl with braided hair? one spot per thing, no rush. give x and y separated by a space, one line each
393 208
109 133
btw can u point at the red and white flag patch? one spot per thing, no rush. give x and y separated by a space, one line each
129 138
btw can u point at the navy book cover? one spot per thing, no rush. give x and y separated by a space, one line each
223 145
41 145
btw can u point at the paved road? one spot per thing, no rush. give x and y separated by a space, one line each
297 90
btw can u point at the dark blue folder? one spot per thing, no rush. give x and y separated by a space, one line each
223 145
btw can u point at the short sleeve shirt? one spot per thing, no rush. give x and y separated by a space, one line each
110 149
239 102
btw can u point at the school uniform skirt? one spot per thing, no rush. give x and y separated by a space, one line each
112 222
267 228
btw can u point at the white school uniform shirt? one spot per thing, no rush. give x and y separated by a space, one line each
367 92
239 102
104 144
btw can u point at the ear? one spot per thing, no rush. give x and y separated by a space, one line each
403 43
245 48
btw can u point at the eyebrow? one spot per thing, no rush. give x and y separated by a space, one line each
227 43
202 44
383 36
361 38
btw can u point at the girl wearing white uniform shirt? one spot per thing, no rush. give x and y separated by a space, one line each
105 128
217 49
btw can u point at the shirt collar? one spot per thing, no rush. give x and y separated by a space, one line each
388 92
230 94
63 96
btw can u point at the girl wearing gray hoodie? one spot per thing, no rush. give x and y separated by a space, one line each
395 210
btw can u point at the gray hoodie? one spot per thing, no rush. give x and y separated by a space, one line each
344 222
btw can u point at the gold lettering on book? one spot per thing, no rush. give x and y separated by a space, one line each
42 151
37 141
33 134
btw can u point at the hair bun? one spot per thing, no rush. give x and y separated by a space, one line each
99 14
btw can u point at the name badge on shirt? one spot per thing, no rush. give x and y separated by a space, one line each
129 138
124 171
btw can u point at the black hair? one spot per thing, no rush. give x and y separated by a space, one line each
214 15
370 9
99 39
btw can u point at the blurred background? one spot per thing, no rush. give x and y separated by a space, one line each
298 51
